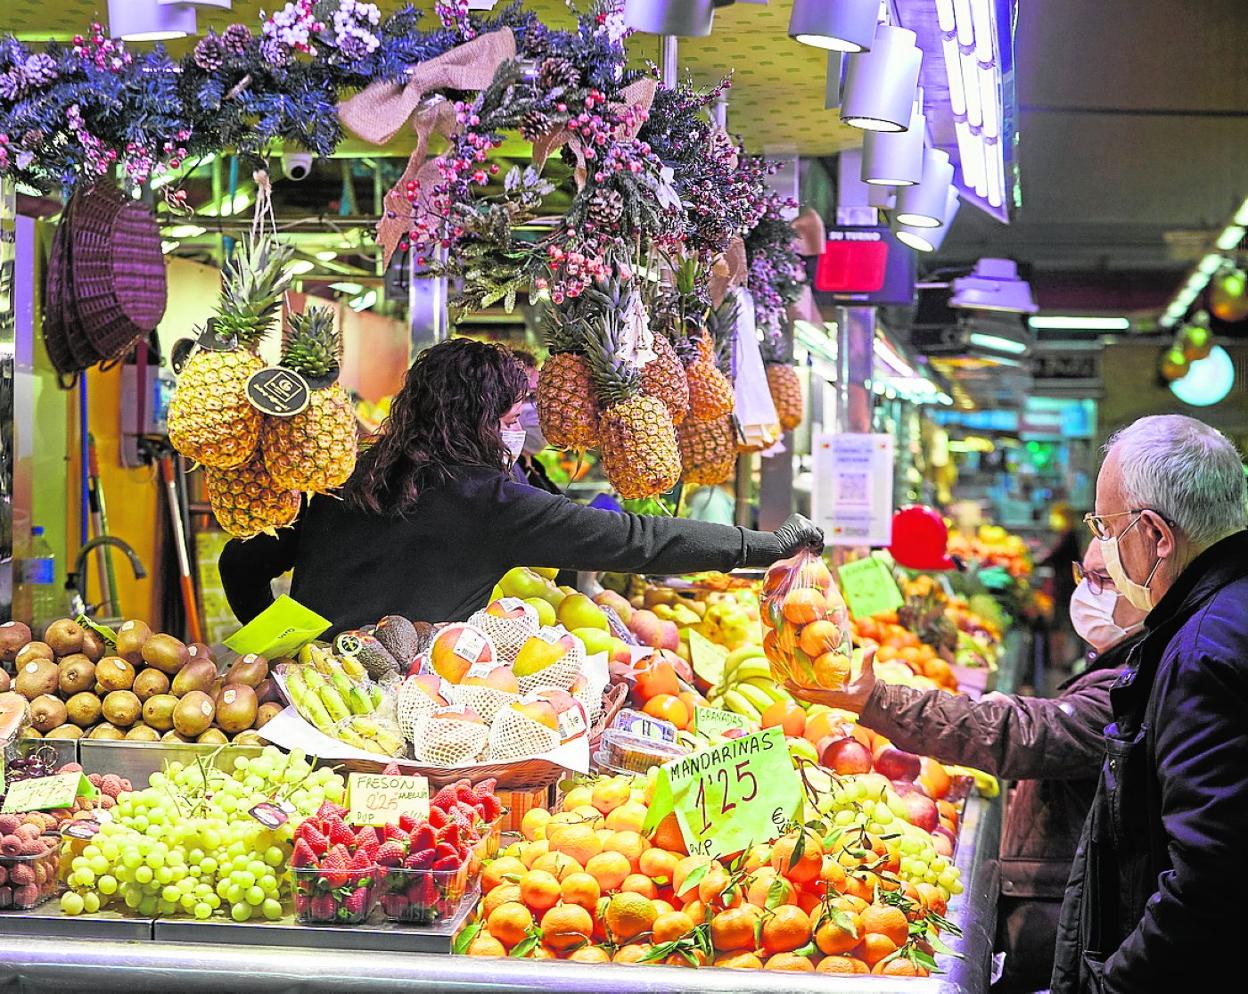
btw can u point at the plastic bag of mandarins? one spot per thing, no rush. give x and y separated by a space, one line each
807 626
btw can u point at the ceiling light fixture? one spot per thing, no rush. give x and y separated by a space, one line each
1230 238
880 84
1207 381
1070 322
687 18
923 205
995 343
896 158
840 25
929 239
834 87
150 20
993 286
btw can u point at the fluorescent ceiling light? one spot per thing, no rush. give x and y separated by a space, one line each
1231 237
815 339
970 156
1241 215
981 16
1062 322
966 28
993 168
996 343
953 71
888 355
988 101
880 84
1211 263
364 302
944 16
838 25
328 255
970 83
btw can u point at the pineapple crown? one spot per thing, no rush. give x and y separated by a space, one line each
616 378
252 291
312 346
775 350
721 323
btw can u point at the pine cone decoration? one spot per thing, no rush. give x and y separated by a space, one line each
558 72
606 207
11 84
236 39
38 70
534 124
209 53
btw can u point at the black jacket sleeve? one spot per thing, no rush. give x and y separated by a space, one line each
533 528
248 569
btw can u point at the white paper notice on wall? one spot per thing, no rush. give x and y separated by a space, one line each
852 496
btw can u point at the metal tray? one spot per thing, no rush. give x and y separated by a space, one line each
47 921
376 935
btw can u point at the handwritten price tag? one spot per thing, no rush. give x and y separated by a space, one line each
729 797
706 657
869 587
46 793
375 799
280 629
712 721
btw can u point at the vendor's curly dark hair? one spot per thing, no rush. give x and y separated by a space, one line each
446 417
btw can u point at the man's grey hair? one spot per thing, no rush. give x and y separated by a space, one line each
1187 472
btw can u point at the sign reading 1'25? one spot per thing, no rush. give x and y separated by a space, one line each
739 787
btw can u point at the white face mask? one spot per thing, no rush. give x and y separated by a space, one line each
1092 616
1138 595
513 441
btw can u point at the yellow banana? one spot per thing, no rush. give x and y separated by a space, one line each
755 696
751 669
985 783
768 686
741 705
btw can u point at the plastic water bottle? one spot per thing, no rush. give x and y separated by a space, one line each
45 604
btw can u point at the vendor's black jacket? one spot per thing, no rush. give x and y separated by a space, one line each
440 561
1155 897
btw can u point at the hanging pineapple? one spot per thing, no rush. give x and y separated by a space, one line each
210 418
664 377
710 392
708 450
640 452
246 502
566 405
783 382
313 451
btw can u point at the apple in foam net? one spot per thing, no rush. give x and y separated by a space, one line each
541 711
510 609
430 685
458 648
458 714
544 649
496 678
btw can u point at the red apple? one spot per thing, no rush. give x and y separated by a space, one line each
648 628
669 635
943 840
898 765
511 608
921 810
431 684
845 756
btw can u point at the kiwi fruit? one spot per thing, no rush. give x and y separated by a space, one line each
65 732
105 730
47 712
31 732
198 650
268 692
93 647
36 677
194 714
143 733
248 738
5 681
149 683
122 708
130 639
251 670
13 635
76 673
84 709
32 650
213 736
166 653
266 712
236 707
65 637
198 674
172 736
158 711
114 673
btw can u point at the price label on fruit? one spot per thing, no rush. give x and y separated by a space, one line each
46 793
729 797
869 587
713 721
377 799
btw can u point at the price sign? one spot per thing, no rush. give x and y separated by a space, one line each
281 629
46 793
731 796
869 588
712 721
706 657
376 799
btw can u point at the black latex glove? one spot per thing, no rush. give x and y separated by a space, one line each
797 533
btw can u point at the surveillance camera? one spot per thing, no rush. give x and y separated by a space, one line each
297 165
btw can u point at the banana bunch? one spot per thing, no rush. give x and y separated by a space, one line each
747 686
985 783
325 700
326 663
371 734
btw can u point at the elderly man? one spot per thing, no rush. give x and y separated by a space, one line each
1156 891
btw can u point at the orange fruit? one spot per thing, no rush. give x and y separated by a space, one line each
696 910
933 898
657 679
832 938
808 901
815 572
610 869
804 605
671 926
590 954
581 888
509 923
557 864
787 715
658 864
663 907
713 888
628 916
503 894
842 964
900 967
886 920
803 868
733 929
669 707
739 961
693 700
493 872
533 824
819 637
875 947
639 883
832 671
486 945
759 884
631 953
821 724
539 890
832 873
786 929
575 841
629 844
683 868
628 817
542 951
679 959
531 852
667 835
608 795
566 926
861 884
847 902
790 962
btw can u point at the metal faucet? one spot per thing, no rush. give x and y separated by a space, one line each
76 582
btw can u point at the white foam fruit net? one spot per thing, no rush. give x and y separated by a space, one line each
507 634
444 740
414 705
486 701
558 674
517 736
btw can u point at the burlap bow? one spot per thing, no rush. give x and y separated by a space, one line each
729 271
810 236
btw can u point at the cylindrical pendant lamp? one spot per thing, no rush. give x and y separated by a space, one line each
880 84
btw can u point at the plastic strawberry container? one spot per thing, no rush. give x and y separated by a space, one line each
26 881
624 753
327 897
432 898
491 840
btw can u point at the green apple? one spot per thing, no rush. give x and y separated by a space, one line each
578 611
545 610
595 639
523 583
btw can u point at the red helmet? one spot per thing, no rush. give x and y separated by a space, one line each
920 539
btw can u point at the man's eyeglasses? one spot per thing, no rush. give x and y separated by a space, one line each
1096 522
1097 582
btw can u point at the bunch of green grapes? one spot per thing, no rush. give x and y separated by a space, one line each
187 844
